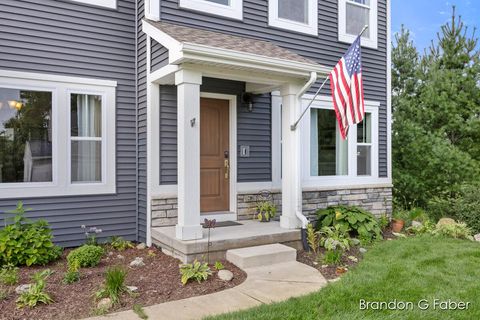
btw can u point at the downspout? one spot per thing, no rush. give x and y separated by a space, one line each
303 219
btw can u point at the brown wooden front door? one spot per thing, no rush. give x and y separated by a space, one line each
214 155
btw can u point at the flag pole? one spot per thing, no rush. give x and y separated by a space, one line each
293 127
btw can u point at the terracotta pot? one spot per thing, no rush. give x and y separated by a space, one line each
397 225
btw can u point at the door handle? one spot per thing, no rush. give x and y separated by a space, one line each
226 164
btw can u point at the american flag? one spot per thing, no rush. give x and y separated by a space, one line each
347 88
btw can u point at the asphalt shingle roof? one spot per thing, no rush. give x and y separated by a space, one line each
227 41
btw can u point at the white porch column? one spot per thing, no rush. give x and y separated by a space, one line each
188 88
291 156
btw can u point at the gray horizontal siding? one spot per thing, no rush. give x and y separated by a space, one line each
159 56
68 38
253 129
142 122
325 49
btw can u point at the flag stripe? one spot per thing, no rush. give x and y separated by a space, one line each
346 87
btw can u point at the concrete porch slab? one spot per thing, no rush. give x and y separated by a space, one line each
250 233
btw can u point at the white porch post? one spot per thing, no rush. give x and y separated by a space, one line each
291 156
188 88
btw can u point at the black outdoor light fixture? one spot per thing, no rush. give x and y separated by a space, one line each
247 101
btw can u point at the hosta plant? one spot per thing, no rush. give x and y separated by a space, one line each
198 271
36 293
357 221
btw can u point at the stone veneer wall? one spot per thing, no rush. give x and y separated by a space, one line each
376 200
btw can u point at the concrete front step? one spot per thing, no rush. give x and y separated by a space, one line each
258 256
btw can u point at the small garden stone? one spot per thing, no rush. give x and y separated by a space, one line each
477 237
137 262
225 275
417 224
352 258
141 246
132 288
22 288
362 250
105 303
120 257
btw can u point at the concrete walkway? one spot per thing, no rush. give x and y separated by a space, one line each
265 284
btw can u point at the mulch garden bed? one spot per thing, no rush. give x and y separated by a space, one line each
158 281
330 271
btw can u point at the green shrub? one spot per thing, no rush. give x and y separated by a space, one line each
118 243
383 222
25 242
86 255
427 227
73 273
36 293
114 284
454 230
194 271
465 206
336 241
266 210
352 219
4 294
9 275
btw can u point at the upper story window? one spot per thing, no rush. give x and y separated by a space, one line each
102 3
295 15
57 135
227 8
353 15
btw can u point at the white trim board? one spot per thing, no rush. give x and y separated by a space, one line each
311 27
234 10
112 4
343 36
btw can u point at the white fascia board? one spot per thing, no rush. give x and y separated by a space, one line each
161 37
55 78
205 53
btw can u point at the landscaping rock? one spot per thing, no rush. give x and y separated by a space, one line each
104 304
362 250
141 246
132 288
137 262
445 221
120 257
225 275
477 237
324 266
355 241
352 258
110 253
399 235
22 288
416 224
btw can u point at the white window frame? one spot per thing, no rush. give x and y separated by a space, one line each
61 88
343 36
233 11
112 4
309 28
309 181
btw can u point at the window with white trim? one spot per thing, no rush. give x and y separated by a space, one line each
102 3
227 8
330 160
57 135
295 15
353 15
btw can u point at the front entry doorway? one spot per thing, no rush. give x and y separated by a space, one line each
214 155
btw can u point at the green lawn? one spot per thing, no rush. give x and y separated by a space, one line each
409 269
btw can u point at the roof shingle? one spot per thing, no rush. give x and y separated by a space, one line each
227 41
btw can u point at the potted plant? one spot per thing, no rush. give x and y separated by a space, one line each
398 220
266 210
